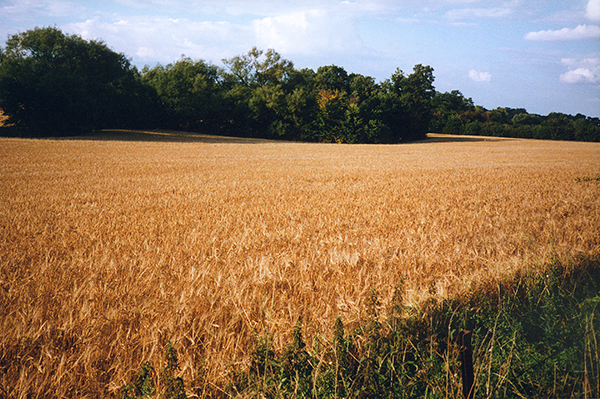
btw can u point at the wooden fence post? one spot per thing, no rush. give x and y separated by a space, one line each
466 363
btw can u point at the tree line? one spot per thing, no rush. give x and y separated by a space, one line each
55 83
455 114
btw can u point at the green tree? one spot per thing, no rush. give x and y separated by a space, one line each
258 68
333 106
58 83
257 86
500 115
447 108
362 87
332 77
407 103
526 119
453 125
453 101
191 93
302 107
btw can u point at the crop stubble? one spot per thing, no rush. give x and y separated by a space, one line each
109 249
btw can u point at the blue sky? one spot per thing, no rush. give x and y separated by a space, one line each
541 55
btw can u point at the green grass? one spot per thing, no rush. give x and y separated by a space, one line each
533 335
586 179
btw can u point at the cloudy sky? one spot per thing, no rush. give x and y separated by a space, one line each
541 55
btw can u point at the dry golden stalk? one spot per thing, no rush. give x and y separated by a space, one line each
110 249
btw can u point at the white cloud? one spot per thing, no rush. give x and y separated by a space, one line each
579 33
403 20
259 7
569 61
593 10
292 28
279 32
308 32
586 70
580 75
476 13
164 40
504 10
480 76
27 9
461 1
145 53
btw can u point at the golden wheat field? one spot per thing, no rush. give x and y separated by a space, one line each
111 248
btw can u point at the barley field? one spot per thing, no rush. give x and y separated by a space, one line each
112 246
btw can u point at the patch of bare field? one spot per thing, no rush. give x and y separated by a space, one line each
109 249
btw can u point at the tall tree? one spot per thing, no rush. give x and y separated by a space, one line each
406 103
258 85
59 83
332 77
257 68
191 93
449 110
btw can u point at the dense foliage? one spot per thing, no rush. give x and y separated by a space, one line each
455 114
262 95
59 83
55 83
